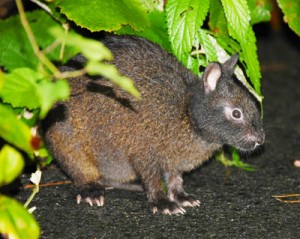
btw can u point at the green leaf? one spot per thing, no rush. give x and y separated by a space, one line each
223 159
91 49
51 7
208 46
153 5
45 158
184 19
1 80
15 48
250 57
291 10
260 10
14 131
27 88
95 51
29 117
50 92
236 161
217 21
97 15
11 164
238 18
194 63
16 221
110 72
155 32
227 43
19 88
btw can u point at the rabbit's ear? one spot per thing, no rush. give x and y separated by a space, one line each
229 65
211 77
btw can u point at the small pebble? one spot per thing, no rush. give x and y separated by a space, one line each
297 163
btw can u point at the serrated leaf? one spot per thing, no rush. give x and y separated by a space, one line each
50 92
55 13
238 17
110 72
250 57
184 19
291 10
227 43
155 32
260 10
14 131
97 15
19 88
16 221
11 164
15 49
208 46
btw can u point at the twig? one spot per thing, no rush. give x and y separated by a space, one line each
47 184
32 40
35 190
63 44
51 47
282 198
71 74
35 178
42 5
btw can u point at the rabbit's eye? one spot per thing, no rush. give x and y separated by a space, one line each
236 113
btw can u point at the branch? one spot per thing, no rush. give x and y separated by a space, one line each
32 40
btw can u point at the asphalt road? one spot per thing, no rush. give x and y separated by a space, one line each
234 203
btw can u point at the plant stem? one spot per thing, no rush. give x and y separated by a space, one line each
32 40
35 190
71 74
63 44
36 181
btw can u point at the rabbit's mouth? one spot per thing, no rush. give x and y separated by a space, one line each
251 141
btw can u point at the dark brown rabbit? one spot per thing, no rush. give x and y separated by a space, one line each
104 137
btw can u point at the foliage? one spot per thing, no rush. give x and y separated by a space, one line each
291 11
15 220
221 157
184 19
32 44
13 162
